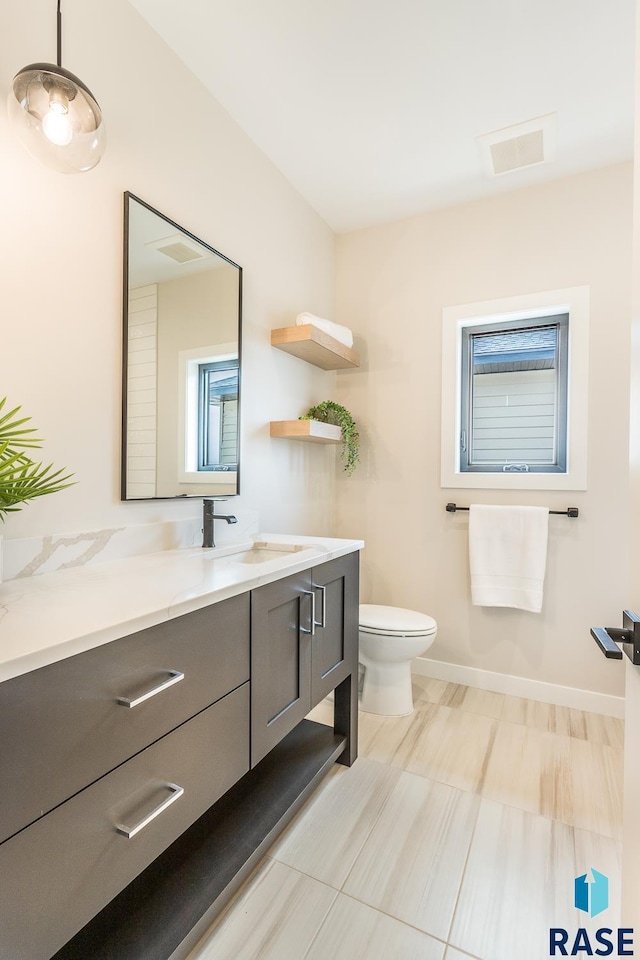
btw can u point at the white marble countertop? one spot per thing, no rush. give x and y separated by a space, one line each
49 617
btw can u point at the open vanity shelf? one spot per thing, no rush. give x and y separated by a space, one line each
181 891
315 346
313 431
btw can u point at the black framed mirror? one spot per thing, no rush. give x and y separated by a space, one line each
182 324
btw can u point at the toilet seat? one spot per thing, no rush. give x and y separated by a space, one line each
379 620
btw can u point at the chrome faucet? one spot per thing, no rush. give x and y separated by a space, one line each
208 517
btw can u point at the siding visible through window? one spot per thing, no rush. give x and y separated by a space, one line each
513 405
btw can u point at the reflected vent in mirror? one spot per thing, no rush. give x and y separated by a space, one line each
179 248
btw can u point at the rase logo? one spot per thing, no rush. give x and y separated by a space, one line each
591 895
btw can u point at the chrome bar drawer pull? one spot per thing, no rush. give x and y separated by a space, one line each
176 793
174 677
312 630
322 622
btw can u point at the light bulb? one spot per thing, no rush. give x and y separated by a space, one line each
56 125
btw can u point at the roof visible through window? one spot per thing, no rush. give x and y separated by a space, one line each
516 346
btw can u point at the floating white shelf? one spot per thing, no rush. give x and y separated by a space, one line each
315 346
313 431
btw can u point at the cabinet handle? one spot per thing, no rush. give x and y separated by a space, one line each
312 594
323 608
174 677
176 793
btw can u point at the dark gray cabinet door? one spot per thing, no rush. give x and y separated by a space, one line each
280 660
334 648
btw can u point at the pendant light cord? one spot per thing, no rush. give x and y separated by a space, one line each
59 31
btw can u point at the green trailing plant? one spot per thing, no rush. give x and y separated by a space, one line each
21 478
330 412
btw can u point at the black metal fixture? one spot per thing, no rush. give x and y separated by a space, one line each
208 516
609 638
572 512
56 116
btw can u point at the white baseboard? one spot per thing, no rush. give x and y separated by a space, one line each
602 703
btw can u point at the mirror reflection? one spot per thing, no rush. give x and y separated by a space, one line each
182 316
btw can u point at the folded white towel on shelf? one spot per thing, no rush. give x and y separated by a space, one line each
508 555
336 330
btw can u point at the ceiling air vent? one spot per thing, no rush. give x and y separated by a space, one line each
179 248
522 145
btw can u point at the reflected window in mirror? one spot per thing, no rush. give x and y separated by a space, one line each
218 415
182 334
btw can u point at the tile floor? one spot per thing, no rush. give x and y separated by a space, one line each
457 834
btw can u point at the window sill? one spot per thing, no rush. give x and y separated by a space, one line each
513 481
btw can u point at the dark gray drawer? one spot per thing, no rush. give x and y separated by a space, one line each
64 868
63 725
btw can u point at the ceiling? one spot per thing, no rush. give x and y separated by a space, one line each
371 108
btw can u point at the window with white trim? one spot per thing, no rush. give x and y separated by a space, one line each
208 390
515 387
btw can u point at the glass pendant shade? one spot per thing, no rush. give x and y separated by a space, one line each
57 118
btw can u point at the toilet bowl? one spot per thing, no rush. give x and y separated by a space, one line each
390 637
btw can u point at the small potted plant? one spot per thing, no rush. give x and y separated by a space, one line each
21 478
331 412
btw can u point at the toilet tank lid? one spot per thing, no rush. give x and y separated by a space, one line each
396 619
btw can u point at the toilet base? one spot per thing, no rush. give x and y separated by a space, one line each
386 689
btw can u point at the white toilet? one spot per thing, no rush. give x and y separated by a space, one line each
390 637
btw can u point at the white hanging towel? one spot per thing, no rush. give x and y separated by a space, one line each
508 556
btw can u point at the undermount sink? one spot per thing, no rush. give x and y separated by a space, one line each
262 552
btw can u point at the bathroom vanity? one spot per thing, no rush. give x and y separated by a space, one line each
154 736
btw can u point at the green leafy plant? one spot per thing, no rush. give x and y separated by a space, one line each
330 412
21 478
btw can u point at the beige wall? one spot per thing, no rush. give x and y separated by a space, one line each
393 283
172 145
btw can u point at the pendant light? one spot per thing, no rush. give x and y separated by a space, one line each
56 116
